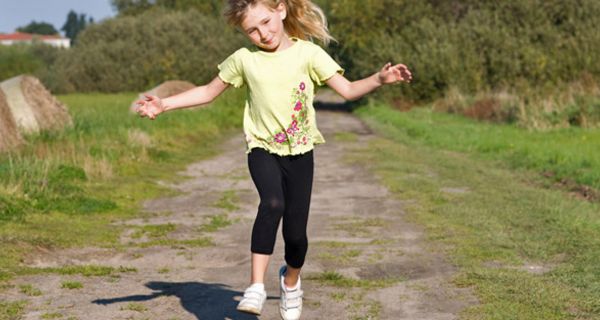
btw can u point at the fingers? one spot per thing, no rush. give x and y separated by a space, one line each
151 98
143 110
149 107
139 105
386 67
397 74
405 74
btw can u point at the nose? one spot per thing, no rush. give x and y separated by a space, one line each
263 33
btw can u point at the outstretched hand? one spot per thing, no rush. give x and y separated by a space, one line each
150 106
390 74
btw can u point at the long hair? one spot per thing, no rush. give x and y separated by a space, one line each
304 20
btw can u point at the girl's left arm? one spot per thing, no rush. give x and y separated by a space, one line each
353 90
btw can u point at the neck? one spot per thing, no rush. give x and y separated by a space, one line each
285 43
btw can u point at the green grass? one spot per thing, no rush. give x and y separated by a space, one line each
163 270
504 221
11 310
30 290
198 242
64 189
84 270
227 201
572 154
334 244
53 315
335 279
345 256
216 222
135 307
154 230
71 285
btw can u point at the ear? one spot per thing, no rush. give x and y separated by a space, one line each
282 10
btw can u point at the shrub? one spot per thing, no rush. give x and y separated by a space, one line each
16 60
32 58
471 45
130 54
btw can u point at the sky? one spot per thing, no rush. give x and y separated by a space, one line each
19 13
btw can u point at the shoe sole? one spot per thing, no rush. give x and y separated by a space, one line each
283 316
250 310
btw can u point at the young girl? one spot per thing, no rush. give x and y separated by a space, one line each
280 73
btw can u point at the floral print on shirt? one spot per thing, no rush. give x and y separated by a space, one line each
297 132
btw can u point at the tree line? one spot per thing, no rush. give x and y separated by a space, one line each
74 24
469 46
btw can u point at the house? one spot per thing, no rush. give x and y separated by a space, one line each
20 37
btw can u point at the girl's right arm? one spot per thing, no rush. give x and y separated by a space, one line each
152 106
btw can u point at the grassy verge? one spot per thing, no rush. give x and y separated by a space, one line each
65 188
571 154
528 252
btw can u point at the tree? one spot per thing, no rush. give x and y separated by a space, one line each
43 28
75 24
131 7
135 7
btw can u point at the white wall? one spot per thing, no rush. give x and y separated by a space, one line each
63 43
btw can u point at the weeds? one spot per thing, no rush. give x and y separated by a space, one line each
335 279
71 285
30 290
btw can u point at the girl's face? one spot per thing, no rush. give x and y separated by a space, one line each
264 27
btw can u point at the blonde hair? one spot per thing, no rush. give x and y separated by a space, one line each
304 20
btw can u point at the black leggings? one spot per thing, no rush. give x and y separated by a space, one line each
284 184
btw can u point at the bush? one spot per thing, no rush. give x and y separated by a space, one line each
16 60
133 53
467 44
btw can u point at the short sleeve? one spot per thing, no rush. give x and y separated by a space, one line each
322 66
231 70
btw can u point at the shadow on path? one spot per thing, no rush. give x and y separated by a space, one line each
204 300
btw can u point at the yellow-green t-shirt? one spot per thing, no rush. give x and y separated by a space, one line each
279 114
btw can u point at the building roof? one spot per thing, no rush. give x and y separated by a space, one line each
27 36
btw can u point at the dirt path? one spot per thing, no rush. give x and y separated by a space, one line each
364 262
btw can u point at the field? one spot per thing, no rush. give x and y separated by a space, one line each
528 246
514 209
64 189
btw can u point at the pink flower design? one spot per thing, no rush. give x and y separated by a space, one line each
280 137
295 134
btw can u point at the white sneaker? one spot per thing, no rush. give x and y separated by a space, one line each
253 300
290 304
